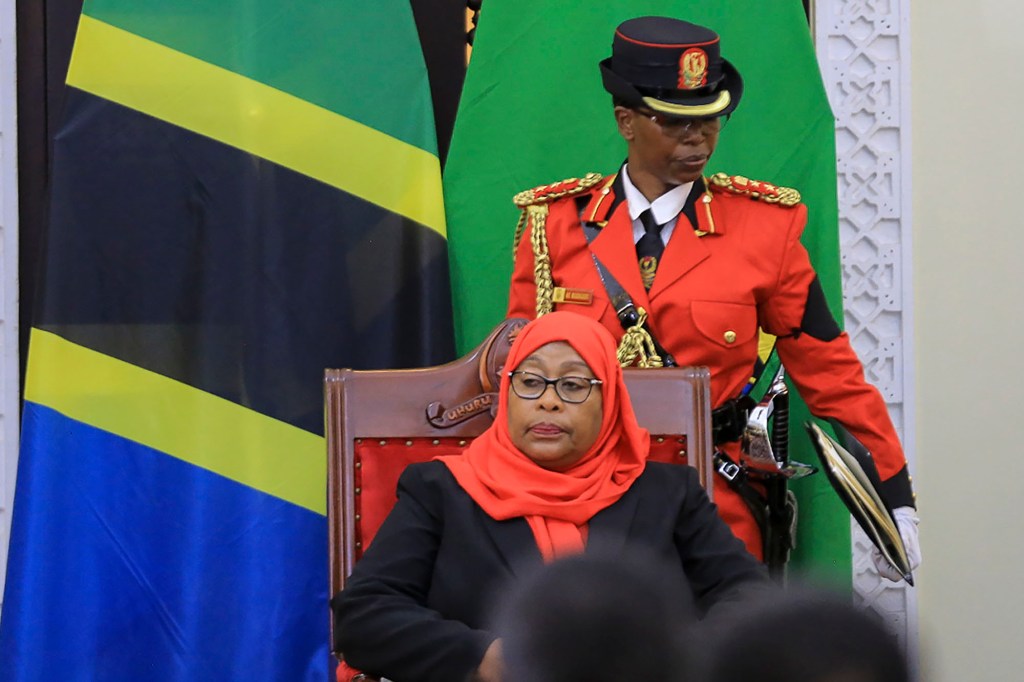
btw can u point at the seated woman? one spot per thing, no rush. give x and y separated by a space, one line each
563 470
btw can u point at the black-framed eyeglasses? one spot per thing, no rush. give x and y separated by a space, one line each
678 126
530 386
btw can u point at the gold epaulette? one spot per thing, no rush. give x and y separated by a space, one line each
545 194
755 189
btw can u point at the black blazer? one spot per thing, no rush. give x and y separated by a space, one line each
417 604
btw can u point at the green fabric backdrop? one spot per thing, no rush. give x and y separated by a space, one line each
533 111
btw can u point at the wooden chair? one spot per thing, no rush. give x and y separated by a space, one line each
378 422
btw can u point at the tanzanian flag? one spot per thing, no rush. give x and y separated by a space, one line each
245 192
533 112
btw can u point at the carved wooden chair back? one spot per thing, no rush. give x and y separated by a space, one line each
378 422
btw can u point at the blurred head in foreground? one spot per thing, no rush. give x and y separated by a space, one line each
805 637
594 619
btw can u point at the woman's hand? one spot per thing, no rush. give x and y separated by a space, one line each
491 667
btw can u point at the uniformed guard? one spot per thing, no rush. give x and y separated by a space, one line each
692 269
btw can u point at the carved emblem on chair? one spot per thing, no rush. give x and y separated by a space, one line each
493 353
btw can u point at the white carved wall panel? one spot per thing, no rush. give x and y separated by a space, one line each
863 51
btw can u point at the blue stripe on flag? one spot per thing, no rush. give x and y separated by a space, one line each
128 564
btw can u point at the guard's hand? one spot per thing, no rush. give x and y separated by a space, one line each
906 522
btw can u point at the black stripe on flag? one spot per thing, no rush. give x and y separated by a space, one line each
214 267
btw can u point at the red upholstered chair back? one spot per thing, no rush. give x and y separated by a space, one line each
378 422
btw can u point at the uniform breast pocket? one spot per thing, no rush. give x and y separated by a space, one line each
729 325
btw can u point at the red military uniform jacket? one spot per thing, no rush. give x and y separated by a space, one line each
740 267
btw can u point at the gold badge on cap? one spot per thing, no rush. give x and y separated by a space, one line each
648 266
693 69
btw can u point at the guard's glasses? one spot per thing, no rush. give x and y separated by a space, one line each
530 386
678 126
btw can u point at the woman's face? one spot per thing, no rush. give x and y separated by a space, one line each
552 432
664 155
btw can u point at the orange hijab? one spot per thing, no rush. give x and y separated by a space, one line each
557 504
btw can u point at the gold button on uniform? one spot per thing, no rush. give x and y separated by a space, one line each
729 336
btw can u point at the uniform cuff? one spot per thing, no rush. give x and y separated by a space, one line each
897 491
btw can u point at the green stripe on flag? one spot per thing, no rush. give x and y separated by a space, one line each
262 120
528 118
181 421
361 60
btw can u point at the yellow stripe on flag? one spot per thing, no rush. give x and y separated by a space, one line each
175 418
765 344
188 92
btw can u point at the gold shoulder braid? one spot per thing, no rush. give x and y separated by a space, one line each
541 259
545 194
637 344
755 189
534 204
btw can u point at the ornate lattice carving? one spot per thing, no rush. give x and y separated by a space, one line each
863 61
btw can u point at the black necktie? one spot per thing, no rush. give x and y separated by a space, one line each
649 248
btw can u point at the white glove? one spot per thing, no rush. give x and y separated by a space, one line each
906 522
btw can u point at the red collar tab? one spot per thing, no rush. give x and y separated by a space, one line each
705 218
601 202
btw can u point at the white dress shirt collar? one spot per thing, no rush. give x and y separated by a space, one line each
665 208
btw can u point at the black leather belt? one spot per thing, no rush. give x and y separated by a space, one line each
730 419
